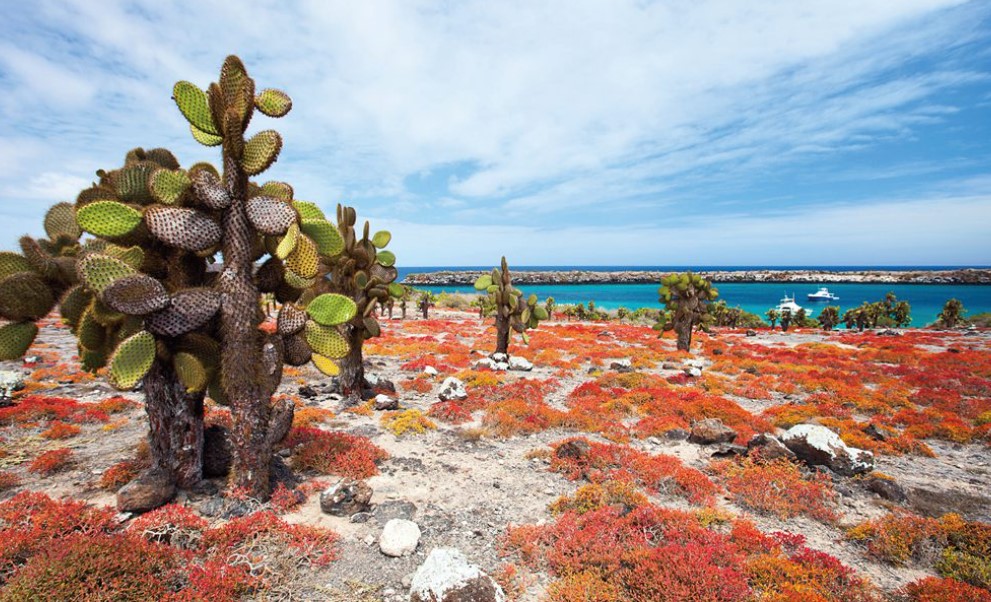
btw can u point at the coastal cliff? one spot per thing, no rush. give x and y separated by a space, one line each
467 277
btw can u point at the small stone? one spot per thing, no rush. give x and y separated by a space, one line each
676 434
751 333
308 392
361 517
346 497
147 492
725 450
693 372
499 357
484 363
669 366
520 364
10 381
447 576
886 488
384 402
711 430
399 538
575 449
622 365
387 511
878 432
430 371
452 389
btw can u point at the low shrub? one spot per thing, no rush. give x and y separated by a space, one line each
328 452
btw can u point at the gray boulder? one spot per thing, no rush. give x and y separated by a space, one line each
816 445
452 389
447 576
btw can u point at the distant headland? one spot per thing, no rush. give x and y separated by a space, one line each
956 276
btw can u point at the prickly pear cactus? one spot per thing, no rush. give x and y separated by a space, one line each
685 298
512 312
363 271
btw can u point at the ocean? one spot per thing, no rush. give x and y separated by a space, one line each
926 299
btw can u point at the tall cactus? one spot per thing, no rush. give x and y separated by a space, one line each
364 272
512 312
685 298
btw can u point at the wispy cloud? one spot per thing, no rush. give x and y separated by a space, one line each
650 117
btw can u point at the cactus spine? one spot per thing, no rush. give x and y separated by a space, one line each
685 298
512 312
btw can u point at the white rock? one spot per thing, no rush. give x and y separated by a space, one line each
520 363
621 364
499 357
430 371
484 363
399 537
10 381
452 388
447 575
500 366
819 446
693 372
694 363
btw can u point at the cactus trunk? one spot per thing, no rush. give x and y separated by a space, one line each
241 355
502 334
352 376
683 327
176 420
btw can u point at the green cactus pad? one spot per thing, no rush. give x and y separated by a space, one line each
74 302
130 325
274 103
270 216
136 295
331 309
12 263
360 280
540 313
191 371
381 238
131 183
105 315
386 258
132 256
163 157
16 339
308 210
326 365
41 260
108 219
296 281
328 238
483 282
288 242
279 190
187 229
61 221
237 88
25 296
98 271
325 340
131 360
204 138
168 186
91 334
291 319
372 328
261 151
396 290
209 190
193 105
190 309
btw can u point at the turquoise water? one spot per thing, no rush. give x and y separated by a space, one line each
926 299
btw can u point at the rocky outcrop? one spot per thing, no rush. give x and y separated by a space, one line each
816 445
711 430
447 576
465 278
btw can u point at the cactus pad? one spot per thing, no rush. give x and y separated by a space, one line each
269 215
204 138
136 295
99 271
15 339
132 256
326 365
191 372
25 296
325 340
386 258
279 190
163 157
261 151
372 328
108 219
193 105
297 350
291 320
381 238
483 283
12 263
210 191
296 281
91 334
190 309
61 221
308 210
331 309
396 290
132 360
274 103
288 242
131 182
186 229
328 238
74 303
304 261
168 185
269 276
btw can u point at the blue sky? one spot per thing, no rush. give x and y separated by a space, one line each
574 132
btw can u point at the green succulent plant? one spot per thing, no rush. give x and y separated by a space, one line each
512 312
685 298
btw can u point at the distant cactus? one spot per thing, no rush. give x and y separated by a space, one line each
951 314
425 302
829 317
773 315
685 298
550 305
511 311
363 271
147 307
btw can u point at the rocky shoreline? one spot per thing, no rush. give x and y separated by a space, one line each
467 277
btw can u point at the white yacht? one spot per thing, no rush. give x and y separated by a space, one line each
823 294
788 304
